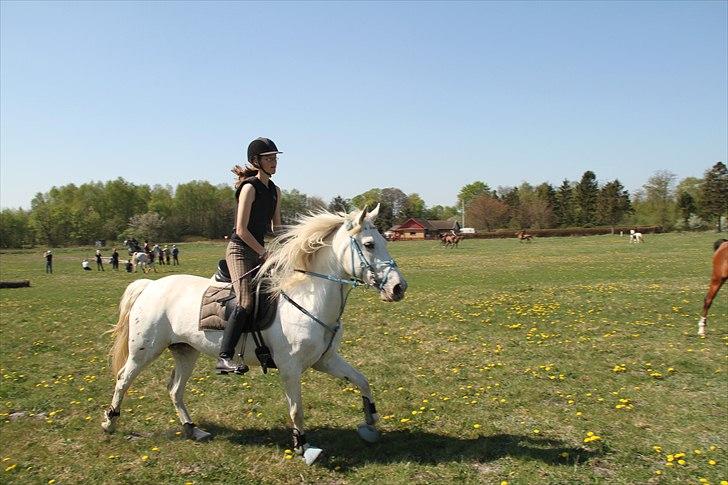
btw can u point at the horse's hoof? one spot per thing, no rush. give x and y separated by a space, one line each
194 433
108 426
311 454
368 433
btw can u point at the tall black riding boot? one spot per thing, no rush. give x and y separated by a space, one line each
231 335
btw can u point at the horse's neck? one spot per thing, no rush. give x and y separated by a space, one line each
318 295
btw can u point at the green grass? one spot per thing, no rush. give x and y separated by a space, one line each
497 365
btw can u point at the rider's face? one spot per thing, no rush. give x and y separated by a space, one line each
269 163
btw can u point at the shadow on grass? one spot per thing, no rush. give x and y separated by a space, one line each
344 449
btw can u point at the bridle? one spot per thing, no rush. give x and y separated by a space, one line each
354 281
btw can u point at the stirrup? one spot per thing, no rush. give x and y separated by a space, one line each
224 368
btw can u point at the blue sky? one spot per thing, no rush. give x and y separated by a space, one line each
426 97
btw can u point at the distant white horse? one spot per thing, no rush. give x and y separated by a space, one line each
142 259
311 264
635 237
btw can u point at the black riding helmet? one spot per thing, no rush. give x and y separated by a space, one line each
261 146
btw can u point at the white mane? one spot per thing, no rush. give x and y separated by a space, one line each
295 248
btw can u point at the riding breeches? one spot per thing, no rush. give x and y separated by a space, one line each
241 259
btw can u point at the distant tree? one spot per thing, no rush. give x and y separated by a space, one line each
612 203
487 212
397 201
511 197
294 204
714 193
15 228
148 226
315 204
440 213
585 199
686 206
340 204
370 199
414 207
659 198
470 191
564 212
691 185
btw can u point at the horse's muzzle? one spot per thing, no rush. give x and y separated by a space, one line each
395 292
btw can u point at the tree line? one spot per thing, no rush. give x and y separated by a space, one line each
117 209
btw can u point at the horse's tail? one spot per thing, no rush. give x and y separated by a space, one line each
120 348
718 243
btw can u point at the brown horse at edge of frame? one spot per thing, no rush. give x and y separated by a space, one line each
720 274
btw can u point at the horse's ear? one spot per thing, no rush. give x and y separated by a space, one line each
362 216
374 213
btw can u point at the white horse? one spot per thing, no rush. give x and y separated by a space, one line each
142 259
310 265
635 237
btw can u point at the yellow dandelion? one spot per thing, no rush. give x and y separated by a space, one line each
476 426
155 448
712 462
51 481
10 468
145 457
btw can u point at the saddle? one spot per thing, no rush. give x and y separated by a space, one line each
219 301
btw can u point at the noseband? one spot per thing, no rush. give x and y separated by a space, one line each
364 264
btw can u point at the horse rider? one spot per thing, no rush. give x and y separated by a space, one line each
258 212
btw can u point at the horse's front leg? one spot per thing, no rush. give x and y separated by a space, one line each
715 283
292 387
335 365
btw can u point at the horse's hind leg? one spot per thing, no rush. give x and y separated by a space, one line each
336 366
184 359
135 363
715 283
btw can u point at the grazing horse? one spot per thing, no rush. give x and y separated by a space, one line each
308 267
144 260
720 274
635 237
524 236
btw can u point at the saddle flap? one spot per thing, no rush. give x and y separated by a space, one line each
219 302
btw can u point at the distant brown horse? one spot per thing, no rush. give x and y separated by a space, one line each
450 240
524 236
720 274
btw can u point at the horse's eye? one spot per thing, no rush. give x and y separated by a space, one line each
369 244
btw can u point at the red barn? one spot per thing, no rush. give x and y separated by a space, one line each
415 228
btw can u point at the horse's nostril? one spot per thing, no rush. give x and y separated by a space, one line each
398 290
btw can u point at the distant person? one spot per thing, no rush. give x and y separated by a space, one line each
85 265
147 249
128 266
158 253
99 261
175 255
49 261
115 260
166 254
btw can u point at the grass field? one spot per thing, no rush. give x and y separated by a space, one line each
567 360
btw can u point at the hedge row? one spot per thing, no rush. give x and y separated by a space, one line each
566 231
